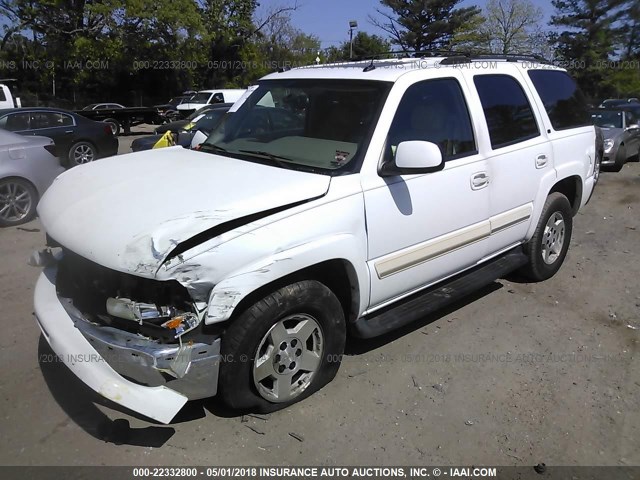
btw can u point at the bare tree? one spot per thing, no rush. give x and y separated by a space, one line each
511 24
275 21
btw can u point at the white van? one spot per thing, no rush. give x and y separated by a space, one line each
206 97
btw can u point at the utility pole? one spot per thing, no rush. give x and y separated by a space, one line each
352 26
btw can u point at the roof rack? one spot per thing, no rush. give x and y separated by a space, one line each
455 57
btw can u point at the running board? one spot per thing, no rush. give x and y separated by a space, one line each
421 304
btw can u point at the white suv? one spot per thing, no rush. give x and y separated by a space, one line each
336 199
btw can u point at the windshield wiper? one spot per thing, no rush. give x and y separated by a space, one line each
212 147
277 159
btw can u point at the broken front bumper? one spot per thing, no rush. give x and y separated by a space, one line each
104 357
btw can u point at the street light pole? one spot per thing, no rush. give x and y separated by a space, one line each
352 26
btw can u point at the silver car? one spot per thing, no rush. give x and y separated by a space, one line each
621 136
28 166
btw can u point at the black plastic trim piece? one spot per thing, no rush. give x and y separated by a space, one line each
422 303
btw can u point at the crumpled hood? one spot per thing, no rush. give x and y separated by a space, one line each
128 212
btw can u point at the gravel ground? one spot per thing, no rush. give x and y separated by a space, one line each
516 375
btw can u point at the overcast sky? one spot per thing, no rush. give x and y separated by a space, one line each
329 19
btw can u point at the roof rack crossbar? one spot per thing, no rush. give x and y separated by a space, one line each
457 56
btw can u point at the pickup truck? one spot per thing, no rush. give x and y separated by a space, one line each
7 100
391 188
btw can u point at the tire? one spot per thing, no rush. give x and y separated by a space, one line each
114 124
81 153
18 201
283 348
548 247
621 159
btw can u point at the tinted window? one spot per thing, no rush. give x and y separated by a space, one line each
3 97
202 97
282 119
209 120
630 119
44 120
507 109
434 111
63 120
563 100
607 118
17 122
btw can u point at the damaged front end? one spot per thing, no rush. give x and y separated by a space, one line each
149 332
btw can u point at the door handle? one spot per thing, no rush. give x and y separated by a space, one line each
68 131
541 161
479 180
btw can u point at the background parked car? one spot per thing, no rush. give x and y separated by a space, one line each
207 97
28 165
621 133
618 102
169 110
178 125
205 123
78 140
103 106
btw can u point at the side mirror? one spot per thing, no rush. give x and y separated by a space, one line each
414 157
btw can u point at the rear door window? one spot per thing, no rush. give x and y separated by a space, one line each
40 120
507 109
17 122
564 102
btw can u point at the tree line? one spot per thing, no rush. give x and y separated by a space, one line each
73 52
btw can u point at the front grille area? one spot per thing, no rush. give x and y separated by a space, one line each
89 285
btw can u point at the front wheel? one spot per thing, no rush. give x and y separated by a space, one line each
548 247
283 348
621 159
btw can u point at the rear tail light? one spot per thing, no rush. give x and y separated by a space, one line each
108 130
51 149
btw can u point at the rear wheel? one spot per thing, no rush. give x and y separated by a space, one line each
18 200
114 125
548 247
81 153
282 348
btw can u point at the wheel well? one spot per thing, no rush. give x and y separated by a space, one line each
16 177
338 275
570 187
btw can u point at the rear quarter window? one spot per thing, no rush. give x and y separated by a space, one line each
564 102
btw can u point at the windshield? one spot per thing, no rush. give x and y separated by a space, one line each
315 125
607 119
201 97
